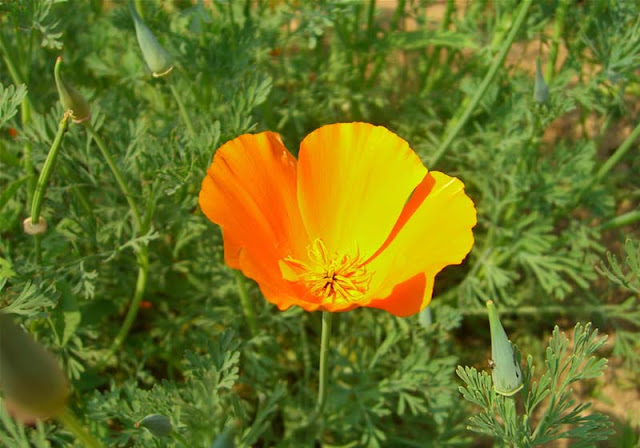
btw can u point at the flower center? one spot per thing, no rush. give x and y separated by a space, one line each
333 277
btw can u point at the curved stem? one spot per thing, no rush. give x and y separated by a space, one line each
47 169
75 427
117 174
247 305
491 73
142 253
618 154
183 111
134 306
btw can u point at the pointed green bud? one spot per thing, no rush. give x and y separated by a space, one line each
540 90
156 57
156 424
506 374
71 99
30 377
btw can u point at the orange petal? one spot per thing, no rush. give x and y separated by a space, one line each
353 182
408 297
250 191
433 231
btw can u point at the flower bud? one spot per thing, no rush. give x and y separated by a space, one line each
71 99
30 377
540 89
156 57
506 374
156 424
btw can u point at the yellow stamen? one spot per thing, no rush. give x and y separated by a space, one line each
333 277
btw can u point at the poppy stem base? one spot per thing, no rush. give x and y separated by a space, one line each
324 361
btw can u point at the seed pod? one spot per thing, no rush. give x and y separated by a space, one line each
506 374
156 57
71 99
540 89
157 424
30 377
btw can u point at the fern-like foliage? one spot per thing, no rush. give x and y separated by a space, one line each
545 410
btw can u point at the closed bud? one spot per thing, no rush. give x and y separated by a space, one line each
31 379
156 57
540 89
71 99
506 374
157 424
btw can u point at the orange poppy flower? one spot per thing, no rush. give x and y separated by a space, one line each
356 221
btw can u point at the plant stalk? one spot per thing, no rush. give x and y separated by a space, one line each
491 73
142 253
618 154
75 427
558 28
324 361
47 169
247 305
118 175
183 111
623 220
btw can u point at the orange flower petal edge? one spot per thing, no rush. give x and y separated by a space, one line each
356 221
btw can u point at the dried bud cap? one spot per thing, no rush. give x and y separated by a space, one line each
157 424
540 90
156 57
34 229
30 377
506 374
71 99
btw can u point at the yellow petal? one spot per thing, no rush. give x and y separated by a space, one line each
353 182
433 231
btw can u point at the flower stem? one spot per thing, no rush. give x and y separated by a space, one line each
623 220
73 425
47 169
324 361
450 136
618 154
247 305
142 253
117 174
183 110
558 27
134 306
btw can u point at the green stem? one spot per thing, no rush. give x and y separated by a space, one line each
618 155
623 220
134 306
47 169
558 27
142 253
118 175
491 73
324 361
247 305
183 110
435 55
73 425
